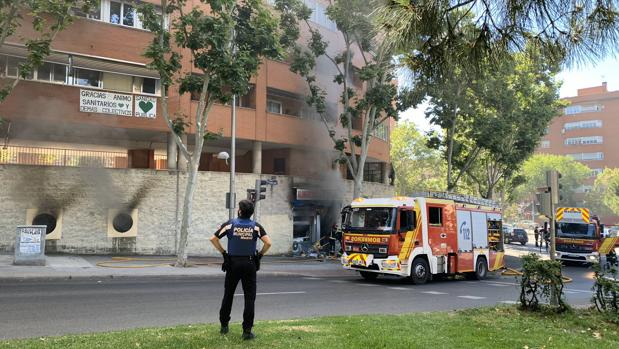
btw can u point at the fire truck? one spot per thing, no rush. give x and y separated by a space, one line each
430 233
580 237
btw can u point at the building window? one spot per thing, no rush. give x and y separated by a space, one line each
596 172
584 140
545 144
373 172
435 215
279 166
274 107
85 77
94 13
12 66
149 86
587 156
117 82
382 132
582 124
577 109
51 72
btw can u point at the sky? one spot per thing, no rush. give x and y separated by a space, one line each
583 75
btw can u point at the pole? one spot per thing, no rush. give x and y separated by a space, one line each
232 160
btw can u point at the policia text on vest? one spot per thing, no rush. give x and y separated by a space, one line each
241 262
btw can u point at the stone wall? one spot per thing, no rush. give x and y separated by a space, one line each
84 196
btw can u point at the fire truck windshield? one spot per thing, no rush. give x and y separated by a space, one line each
576 230
372 218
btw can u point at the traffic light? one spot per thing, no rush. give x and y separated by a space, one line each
552 180
542 204
251 195
260 188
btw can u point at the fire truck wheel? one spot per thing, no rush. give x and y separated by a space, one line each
368 276
420 272
481 269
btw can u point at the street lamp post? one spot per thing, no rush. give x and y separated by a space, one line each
232 193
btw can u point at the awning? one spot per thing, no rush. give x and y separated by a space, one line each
85 62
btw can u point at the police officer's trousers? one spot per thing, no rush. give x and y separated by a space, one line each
243 269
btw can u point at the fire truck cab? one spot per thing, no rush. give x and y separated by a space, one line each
427 234
580 237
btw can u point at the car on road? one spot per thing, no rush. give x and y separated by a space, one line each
517 235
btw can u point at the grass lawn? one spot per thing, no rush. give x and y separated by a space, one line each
502 327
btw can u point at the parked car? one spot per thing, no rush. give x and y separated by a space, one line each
517 235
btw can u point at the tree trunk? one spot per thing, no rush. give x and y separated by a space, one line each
181 253
357 188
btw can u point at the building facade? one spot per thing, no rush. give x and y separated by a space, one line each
587 131
93 104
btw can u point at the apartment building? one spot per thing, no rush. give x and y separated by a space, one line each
587 130
94 104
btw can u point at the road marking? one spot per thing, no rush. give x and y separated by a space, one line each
471 297
434 292
498 285
398 288
576 291
338 281
370 285
271 293
509 302
312 278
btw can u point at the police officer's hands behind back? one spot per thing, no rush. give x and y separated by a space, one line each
257 259
225 266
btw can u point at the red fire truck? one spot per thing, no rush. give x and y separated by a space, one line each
580 237
428 234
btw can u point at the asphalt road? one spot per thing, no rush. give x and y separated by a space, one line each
33 309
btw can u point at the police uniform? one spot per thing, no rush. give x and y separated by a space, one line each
242 236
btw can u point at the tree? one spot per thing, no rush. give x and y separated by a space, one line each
512 103
534 171
417 167
373 104
572 30
225 44
48 18
604 196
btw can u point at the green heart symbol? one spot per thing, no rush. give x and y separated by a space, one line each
121 105
146 106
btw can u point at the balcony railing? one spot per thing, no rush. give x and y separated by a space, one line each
69 157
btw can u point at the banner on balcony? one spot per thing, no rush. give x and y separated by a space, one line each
106 103
145 107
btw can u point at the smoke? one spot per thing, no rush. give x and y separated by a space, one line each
110 194
43 190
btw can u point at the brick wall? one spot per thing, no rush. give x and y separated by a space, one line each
85 195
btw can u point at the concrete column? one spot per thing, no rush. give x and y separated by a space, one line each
386 171
172 152
257 157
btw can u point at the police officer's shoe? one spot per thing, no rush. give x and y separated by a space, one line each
224 329
248 335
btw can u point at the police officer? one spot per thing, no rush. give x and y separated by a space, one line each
241 263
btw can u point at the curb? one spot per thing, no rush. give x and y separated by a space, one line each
146 276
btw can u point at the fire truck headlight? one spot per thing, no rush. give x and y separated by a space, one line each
557 254
593 258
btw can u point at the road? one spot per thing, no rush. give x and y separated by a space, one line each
48 308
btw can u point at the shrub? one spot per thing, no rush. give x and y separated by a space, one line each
606 292
540 281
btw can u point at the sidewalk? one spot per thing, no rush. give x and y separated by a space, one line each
85 266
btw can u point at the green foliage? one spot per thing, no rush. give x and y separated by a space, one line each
379 98
417 166
559 29
48 18
540 281
534 173
604 196
178 126
606 292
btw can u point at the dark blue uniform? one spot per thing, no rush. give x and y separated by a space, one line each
242 236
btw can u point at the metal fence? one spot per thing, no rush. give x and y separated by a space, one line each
69 157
